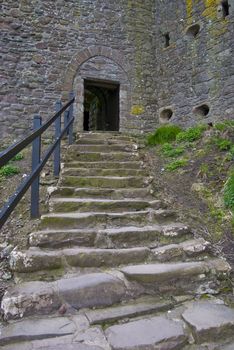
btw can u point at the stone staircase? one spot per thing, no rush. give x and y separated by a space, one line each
111 266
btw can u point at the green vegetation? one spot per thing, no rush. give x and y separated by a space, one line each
164 134
222 143
229 192
9 170
179 163
191 134
18 157
203 170
169 151
208 157
224 125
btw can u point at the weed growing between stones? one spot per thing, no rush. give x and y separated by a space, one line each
164 134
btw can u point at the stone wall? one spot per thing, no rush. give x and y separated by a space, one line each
49 45
196 67
46 42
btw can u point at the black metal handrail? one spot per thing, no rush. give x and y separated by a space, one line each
38 163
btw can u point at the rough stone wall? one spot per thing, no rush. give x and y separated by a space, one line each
198 70
45 42
47 46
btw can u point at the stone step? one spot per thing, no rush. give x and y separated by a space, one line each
104 156
102 193
137 307
105 135
76 220
107 205
152 273
117 147
209 321
105 181
123 237
107 141
40 329
203 321
90 290
182 251
103 172
149 236
36 259
105 289
136 164
151 333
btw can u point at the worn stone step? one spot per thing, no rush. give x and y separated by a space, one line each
151 236
152 273
151 333
63 238
86 204
102 193
105 181
209 321
104 141
104 156
117 147
103 219
104 135
123 237
103 172
103 164
36 259
182 251
90 290
135 308
41 328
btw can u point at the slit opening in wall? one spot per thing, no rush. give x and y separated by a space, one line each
101 105
167 39
165 115
224 8
202 110
192 31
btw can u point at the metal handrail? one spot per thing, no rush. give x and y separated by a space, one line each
38 164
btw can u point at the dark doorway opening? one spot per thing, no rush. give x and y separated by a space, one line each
101 106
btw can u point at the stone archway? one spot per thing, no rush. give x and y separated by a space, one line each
99 64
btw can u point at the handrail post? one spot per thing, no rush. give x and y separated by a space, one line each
36 159
66 120
58 106
70 131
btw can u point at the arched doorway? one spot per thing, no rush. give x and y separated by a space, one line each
102 91
101 106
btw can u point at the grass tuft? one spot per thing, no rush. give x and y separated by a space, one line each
169 151
17 157
9 170
222 143
164 134
179 163
229 192
228 124
191 134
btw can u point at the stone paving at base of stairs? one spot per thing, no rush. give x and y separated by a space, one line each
111 267
196 325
